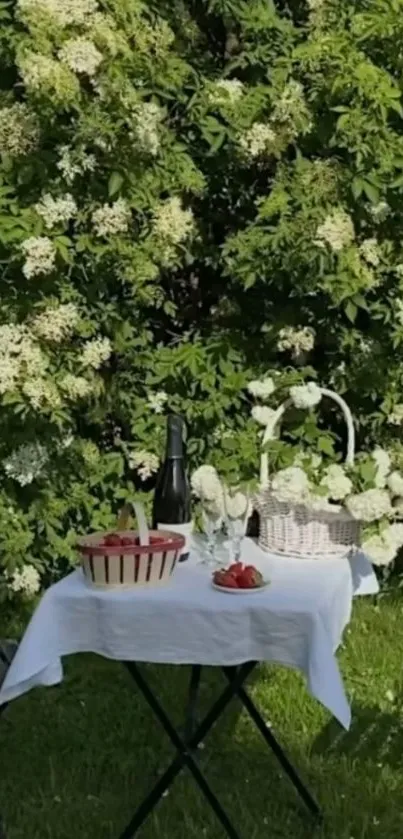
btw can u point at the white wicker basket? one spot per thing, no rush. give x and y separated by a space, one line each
296 530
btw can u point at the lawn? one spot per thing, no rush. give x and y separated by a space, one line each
76 759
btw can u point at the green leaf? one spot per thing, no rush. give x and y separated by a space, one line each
351 311
114 183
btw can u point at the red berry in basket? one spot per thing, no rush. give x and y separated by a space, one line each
128 541
112 540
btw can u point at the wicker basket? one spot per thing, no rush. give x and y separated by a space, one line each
296 530
150 562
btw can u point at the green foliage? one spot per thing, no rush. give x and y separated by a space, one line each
231 168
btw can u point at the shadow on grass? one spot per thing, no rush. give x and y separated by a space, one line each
375 736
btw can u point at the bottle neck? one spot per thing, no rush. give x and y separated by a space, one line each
174 449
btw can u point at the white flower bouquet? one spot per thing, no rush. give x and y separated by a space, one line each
310 504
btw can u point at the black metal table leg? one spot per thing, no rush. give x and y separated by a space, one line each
273 744
185 748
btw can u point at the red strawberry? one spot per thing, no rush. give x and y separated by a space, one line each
128 541
229 580
236 568
218 575
250 578
112 540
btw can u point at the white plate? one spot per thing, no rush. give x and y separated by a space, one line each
241 590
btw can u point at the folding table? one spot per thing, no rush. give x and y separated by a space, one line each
297 621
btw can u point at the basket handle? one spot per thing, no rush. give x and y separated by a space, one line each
134 510
269 433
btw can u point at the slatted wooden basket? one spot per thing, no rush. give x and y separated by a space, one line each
148 558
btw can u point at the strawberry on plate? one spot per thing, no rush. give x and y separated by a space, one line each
250 578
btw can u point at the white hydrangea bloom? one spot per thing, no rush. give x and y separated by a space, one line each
75 387
81 56
383 466
225 91
41 393
396 417
235 505
157 401
19 130
370 505
369 250
381 548
172 223
337 231
145 463
63 12
258 141
291 485
19 356
25 581
262 389
110 220
56 210
56 322
395 483
72 163
336 482
44 74
40 254
26 463
148 118
298 340
96 352
305 396
263 415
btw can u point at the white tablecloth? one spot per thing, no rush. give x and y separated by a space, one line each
297 621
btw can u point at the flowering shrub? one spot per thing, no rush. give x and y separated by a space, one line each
190 194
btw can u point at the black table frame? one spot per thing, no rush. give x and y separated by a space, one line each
186 743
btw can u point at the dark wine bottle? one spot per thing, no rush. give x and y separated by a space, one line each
253 525
172 498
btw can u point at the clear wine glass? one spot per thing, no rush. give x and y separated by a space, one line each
212 525
236 519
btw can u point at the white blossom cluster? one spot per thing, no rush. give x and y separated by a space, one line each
96 352
56 322
263 415
19 356
19 130
395 484
207 486
396 417
145 463
291 485
173 224
146 132
111 219
103 30
379 211
41 393
40 256
72 163
157 401
291 109
75 387
298 340
337 231
63 12
382 547
81 56
305 396
26 463
258 141
369 506
225 91
25 581
336 482
262 389
44 74
56 210
369 250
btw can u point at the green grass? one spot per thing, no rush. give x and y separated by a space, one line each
76 760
